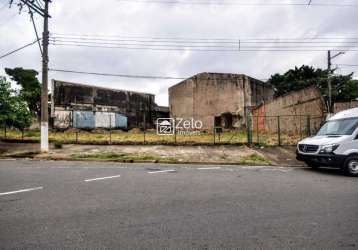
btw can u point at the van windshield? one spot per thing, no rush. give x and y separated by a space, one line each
339 127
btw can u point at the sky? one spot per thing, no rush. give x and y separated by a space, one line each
197 19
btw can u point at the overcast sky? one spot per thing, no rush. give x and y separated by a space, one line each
115 18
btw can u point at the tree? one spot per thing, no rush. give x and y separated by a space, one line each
14 111
30 90
22 115
344 88
6 116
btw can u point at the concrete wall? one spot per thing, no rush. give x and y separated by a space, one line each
293 109
209 95
340 106
133 105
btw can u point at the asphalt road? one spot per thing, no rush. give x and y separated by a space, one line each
79 205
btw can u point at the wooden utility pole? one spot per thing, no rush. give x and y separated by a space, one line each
44 95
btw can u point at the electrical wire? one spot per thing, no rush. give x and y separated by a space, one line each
206 44
226 3
118 75
144 76
227 49
16 50
348 65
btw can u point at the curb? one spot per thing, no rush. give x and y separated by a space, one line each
49 158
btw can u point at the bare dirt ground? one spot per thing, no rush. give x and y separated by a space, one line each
224 154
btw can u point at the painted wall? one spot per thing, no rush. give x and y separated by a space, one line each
64 119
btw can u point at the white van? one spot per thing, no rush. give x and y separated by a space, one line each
336 144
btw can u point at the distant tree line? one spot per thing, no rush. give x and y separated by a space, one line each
344 87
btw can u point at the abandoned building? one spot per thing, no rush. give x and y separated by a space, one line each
84 106
218 99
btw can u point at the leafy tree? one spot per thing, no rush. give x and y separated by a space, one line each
30 90
22 115
14 111
343 86
6 94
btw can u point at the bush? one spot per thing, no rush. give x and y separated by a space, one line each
58 145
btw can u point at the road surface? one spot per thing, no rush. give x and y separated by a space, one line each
90 205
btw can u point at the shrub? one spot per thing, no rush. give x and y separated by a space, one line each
58 145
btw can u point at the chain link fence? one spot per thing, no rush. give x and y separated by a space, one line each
262 130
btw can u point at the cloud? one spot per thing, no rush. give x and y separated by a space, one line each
189 21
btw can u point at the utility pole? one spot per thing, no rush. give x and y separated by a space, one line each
329 69
44 95
329 83
42 10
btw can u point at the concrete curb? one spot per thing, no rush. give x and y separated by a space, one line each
49 158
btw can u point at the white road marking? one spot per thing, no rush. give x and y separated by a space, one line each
21 191
209 168
163 171
102 178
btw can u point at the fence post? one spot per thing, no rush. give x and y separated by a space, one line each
308 125
257 130
214 134
249 130
110 128
144 127
76 137
279 130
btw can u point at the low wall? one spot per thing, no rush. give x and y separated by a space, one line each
296 112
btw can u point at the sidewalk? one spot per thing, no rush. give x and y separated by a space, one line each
280 156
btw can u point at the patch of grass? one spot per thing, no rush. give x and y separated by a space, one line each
254 159
30 154
151 136
112 156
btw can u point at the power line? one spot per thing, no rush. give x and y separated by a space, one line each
207 41
348 65
226 3
219 39
139 76
16 50
119 75
206 49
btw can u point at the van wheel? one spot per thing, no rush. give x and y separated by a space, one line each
313 165
350 166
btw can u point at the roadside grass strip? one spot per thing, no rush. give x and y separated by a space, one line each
21 191
163 171
102 178
209 168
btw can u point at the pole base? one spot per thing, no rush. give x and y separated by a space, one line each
44 137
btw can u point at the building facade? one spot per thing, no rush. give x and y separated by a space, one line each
84 106
218 99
